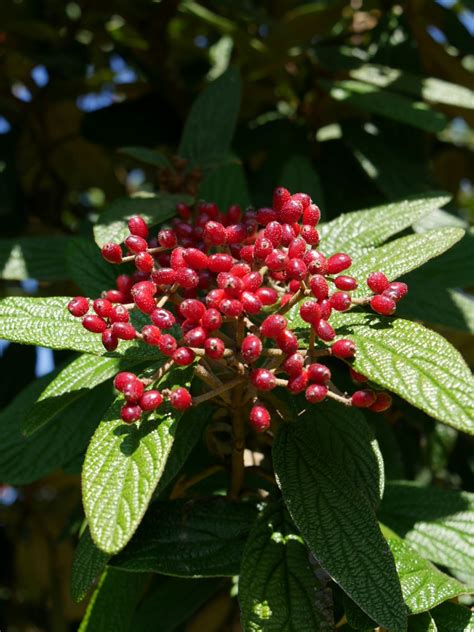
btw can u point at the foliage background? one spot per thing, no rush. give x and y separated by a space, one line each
81 80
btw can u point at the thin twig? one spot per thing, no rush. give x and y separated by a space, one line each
217 391
340 398
151 251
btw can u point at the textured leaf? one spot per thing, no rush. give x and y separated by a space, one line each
299 175
210 125
88 269
360 231
24 460
226 185
423 586
113 603
89 562
402 255
201 538
416 363
277 584
385 103
146 155
156 208
122 467
422 623
435 522
453 618
335 517
41 258
431 89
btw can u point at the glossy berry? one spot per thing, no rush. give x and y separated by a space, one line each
345 282
136 244
383 305
214 233
231 307
280 197
133 390
343 349
340 301
183 356
180 398
124 331
112 253
267 295
94 324
144 262
167 238
78 306
293 365
211 319
192 309
151 334
150 400
263 379
251 348
291 212
220 262
339 262
214 348
119 314
377 282
123 378
163 276
259 418
310 311
324 330
315 393
130 413
195 258
195 337
109 340
358 377
298 383
382 403
273 325
163 318
167 344
137 226
363 399
144 300
396 290
319 373
187 277
287 342
319 287
102 307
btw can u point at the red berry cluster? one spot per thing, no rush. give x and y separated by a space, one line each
216 288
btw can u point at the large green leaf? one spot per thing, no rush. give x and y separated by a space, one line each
423 585
385 103
416 363
452 617
422 623
333 511
113 603
156 208
402 255
190 538
360 231
210 125
87 267
277 585
298 174
27 459
226 185
122 467
41 258
435 522
89 562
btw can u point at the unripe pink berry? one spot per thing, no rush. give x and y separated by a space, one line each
383 305
273 325
138 226
150 400
315 393
112 253
363 399
94 324
263 379
183 356
167 344
214 348
343 349
339 262
377 282
180 398
78 306
151 335
130 413
251 348
259 418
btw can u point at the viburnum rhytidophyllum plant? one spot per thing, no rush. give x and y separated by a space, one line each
215 289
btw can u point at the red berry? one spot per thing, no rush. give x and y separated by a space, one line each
177 259
102 307
276 260
130 413
289 233
251 303
377 282
298 383
232 284
324 330
363 399
211 319
78 306
316 262
240 269
326 308
234 213
163 276
112 253
339 262
273 325
133 390
357 377
251 348
383 305
266 215
236 233
137 226
183 356
187 277
220 262
293 365
267 295
151 335
167 344
246 254
382 403
304 198
291 212
167 238
280 197
297 248
319 373
287 341
150 400
319 287
231 307
340 301
274 233
214 298
252 281
296 269
94 323
124 283
180 398
114 296
315 393
163 318
345 282
195 337
122 379
195 258
192 309
144 301
311 215
214 348
310 235
310 311
119 314
144 262
124 331
214 233
396 290
183 210
259 418
262 247
136 244
263 379
343 349
109 340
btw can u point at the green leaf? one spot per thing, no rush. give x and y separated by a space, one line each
210 125
333 511
429 88
156 208
172 602
385 103
277 584
226 185
89 562
146 155
299 175
402 255
41 258
113 603
122 468
423 586
190 538
422 623
452 617
360 231
416 363
24 460
435 522
356 617
87 268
